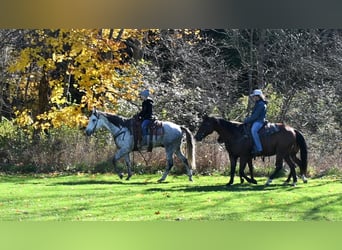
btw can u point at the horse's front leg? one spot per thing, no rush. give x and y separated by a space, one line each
233 160
242 174
251 171
242 171
119 154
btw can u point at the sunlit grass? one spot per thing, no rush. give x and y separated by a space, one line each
107 198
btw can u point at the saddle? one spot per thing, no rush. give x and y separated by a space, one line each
155 128
267 129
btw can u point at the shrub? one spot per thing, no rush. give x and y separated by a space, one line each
69 150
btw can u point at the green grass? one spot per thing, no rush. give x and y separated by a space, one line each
107 198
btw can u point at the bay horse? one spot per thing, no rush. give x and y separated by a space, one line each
284 144
170 139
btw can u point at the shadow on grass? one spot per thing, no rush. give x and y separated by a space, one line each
99 182
221 188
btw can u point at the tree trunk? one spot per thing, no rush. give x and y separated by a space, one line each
260 59
43 95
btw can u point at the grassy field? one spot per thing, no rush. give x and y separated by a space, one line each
106 198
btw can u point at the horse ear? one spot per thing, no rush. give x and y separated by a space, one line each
94 110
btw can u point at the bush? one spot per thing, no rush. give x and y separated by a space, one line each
62 149
69 150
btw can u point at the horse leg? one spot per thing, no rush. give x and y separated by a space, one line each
251 171
233 160
169 159
128 164
119 154
279 165
292 169
288 178
299 163
242 170
185 162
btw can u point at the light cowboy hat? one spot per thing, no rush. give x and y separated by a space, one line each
257 92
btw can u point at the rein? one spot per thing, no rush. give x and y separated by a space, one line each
117 134
120 133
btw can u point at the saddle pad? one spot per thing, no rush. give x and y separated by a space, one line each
269 129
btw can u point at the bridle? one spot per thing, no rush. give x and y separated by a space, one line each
97 120
120 132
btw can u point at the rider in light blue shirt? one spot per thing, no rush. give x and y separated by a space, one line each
257 119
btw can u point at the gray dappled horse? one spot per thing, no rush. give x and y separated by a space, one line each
121 128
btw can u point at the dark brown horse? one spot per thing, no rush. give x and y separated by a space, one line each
285 144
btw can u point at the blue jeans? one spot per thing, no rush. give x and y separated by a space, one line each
255 128
144 126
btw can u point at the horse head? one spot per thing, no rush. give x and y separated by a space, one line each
206 127
92 123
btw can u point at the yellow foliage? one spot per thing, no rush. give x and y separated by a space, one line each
23 118
92 59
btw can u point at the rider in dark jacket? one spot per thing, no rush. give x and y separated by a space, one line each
257 119
146 113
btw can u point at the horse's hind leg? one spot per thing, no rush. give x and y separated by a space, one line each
300 164
169 159
279 165
185 162
292 169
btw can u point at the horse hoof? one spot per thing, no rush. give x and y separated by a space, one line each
229 184
128 177
268 182
121 176
294 184
254 181
190 179
160 180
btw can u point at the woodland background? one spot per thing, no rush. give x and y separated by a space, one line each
51 79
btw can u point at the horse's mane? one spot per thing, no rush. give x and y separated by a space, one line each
231 125
117 120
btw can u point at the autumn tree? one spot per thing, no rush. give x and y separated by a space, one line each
60 73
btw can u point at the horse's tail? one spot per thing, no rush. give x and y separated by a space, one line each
190 141
303 151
